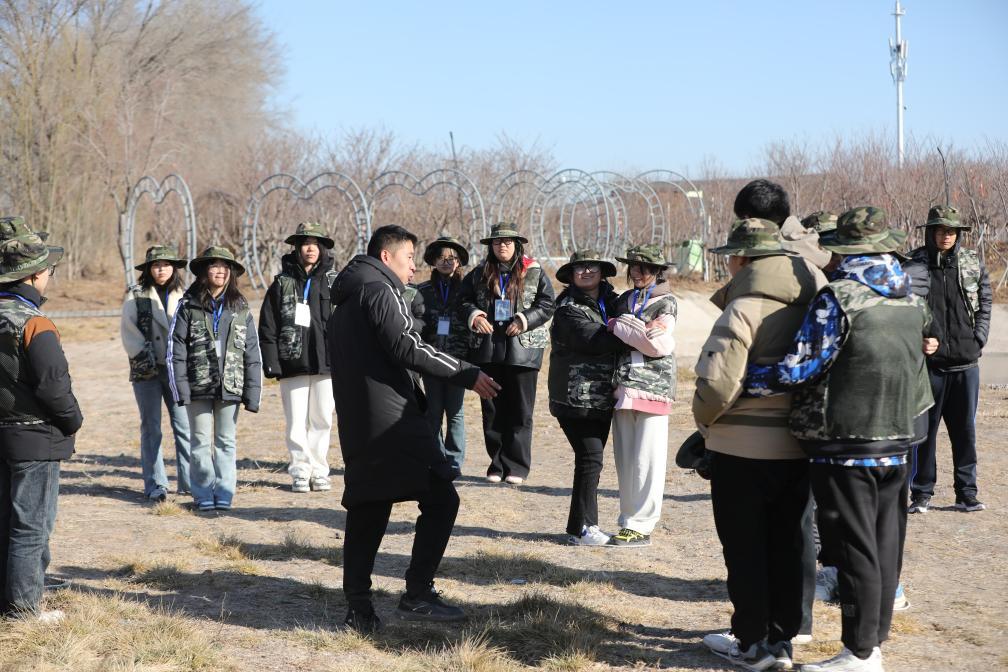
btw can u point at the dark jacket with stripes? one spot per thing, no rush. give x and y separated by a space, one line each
388 447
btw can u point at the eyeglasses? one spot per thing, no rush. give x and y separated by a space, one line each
503 241
448 260
52 271
585 270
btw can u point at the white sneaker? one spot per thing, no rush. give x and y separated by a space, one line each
300 484
720 642
845 661
493 478
590 536
826 584
801 638
514 480
320 483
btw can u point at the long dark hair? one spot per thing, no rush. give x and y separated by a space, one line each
323 256
516 284
146 280
233 298
657 271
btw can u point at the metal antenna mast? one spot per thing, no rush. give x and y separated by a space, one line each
898 68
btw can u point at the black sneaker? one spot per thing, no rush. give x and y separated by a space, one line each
969 503
757 657
428 607
362 622
627 538
919 504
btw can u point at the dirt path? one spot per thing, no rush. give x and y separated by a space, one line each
264 579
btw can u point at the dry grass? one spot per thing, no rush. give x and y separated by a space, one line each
170 508
333 641
159 574
494 564
103 633
233 551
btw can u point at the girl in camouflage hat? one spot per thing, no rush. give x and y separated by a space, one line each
645 378
292 337
214 364
146 316
508 300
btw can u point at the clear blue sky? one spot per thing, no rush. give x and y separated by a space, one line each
617 86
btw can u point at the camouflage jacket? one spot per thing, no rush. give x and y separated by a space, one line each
973 282
654 376
429 307
582 354
18 406
196 371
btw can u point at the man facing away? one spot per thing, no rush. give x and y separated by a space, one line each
390 453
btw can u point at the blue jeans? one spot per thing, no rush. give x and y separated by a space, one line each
213 466
28 492
444 399
150 394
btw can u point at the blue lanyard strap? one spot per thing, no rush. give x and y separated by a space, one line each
12 295
605 315
504 279
445 290
218 311
633 304
306 288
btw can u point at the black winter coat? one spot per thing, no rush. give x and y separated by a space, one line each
388 446
314 359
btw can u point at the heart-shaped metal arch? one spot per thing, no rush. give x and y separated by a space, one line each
158 192
304 191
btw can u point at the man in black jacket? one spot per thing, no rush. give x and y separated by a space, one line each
39 416
390 453
960 300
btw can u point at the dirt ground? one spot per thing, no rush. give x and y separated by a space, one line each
260 584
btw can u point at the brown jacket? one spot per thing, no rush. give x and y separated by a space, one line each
763 306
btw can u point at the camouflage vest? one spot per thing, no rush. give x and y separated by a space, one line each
290 341
202 366
658 374
969 281
534 338
17 395
878 383
144 365
456 343
577 379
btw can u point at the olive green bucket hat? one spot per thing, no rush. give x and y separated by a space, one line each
161 253
650 255
947 216
821 221
434 249
310 230
215 252
863 231
584 258
752 238
504 230
24 252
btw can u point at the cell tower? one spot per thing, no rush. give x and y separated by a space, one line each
898 68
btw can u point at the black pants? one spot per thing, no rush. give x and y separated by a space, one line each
862 516
758 508
956 395
810 553
587 437
507 419
365 527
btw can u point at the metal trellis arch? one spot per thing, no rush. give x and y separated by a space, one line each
158 192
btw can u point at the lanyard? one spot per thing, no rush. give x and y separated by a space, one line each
20 298
445 290
218 311
306 288
504 279
633 304
601 306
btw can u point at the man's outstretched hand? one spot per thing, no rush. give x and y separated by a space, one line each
486 387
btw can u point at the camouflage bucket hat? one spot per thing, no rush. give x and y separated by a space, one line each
947 216
565 273
863 231
504 230
215 252
822 221
650 255
23 252
435 246
752 238
161 253
310 230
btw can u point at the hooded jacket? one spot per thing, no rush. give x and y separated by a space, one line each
799 240
960 300
288 349
763 306
389 449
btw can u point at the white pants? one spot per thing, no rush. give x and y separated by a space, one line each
308 406
640 445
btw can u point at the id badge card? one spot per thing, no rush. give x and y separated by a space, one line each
636 359
302 315
443 325
502 310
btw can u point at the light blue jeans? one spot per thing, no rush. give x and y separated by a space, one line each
150 394
444 399
213 461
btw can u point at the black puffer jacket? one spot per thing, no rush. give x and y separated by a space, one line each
388 447
314 359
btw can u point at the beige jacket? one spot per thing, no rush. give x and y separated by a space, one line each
763 306
133 338
803 241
